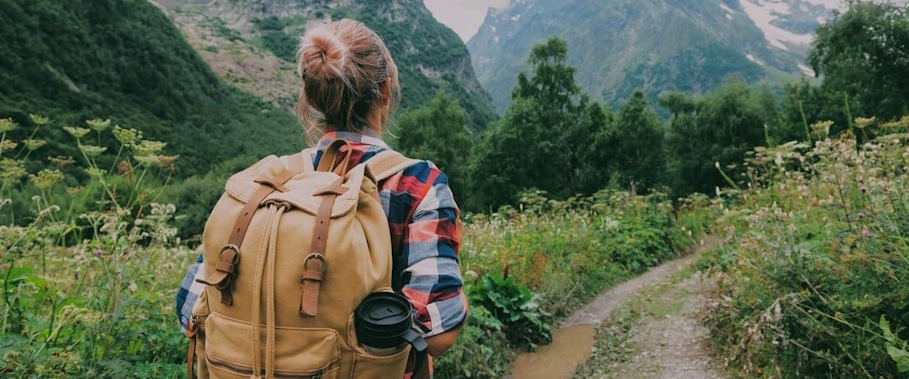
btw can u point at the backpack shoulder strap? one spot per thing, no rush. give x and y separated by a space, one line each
387 163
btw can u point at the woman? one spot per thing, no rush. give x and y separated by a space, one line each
350 90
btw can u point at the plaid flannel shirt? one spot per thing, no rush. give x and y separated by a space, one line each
422 217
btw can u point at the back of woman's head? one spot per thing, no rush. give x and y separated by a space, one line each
347 75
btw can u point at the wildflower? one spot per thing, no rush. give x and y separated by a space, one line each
8 145
46 178
98 124
93 151
147 160
62 160
165 161
127 136
862 186
866 233
95 172
39 119
124 167
860 214
863 123
11 170
7 124
98 252
892 125
76 131
821 129
149 147
34 144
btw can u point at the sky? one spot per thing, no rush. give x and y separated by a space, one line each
463 16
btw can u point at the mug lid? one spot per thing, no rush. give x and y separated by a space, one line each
384 310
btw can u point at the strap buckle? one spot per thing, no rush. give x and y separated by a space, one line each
318 256
230 246
224 286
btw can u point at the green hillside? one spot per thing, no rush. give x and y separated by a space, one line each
123 59
241 38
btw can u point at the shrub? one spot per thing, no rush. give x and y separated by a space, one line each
814 255
515 307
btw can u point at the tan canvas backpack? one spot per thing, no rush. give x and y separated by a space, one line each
290 251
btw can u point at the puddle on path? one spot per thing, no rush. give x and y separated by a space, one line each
570 347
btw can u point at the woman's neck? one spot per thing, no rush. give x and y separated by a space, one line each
374 123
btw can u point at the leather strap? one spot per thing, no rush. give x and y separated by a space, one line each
418 365
226 268
191 352
330 155
387 163
314 264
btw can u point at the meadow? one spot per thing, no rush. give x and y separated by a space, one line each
89 271
811 267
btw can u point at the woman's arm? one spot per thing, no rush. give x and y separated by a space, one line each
427 267
440 343
189 292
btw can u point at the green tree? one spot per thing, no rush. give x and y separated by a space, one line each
437 131
593 148
639 151
719 127
529 147
505 157
863 56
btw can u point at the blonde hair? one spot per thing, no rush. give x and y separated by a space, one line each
345 67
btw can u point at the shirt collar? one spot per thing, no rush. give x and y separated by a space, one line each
366 137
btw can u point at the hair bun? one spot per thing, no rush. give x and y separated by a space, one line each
322 54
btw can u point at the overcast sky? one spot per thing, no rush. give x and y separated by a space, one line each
463 16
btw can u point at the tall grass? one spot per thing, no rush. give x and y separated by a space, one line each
87 271
816 258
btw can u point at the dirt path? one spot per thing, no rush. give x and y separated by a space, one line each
573 343
669 340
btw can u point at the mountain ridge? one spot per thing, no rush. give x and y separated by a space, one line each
250 43
656 45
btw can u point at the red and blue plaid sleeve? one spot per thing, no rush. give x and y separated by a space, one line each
424 221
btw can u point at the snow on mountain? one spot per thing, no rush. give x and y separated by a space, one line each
789 24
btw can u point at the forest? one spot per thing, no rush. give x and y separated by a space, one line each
562 197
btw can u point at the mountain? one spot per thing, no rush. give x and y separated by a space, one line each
656 45
123 59
251 44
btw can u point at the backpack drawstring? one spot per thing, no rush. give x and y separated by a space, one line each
263 257
270 296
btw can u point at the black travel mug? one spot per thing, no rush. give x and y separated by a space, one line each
384 322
